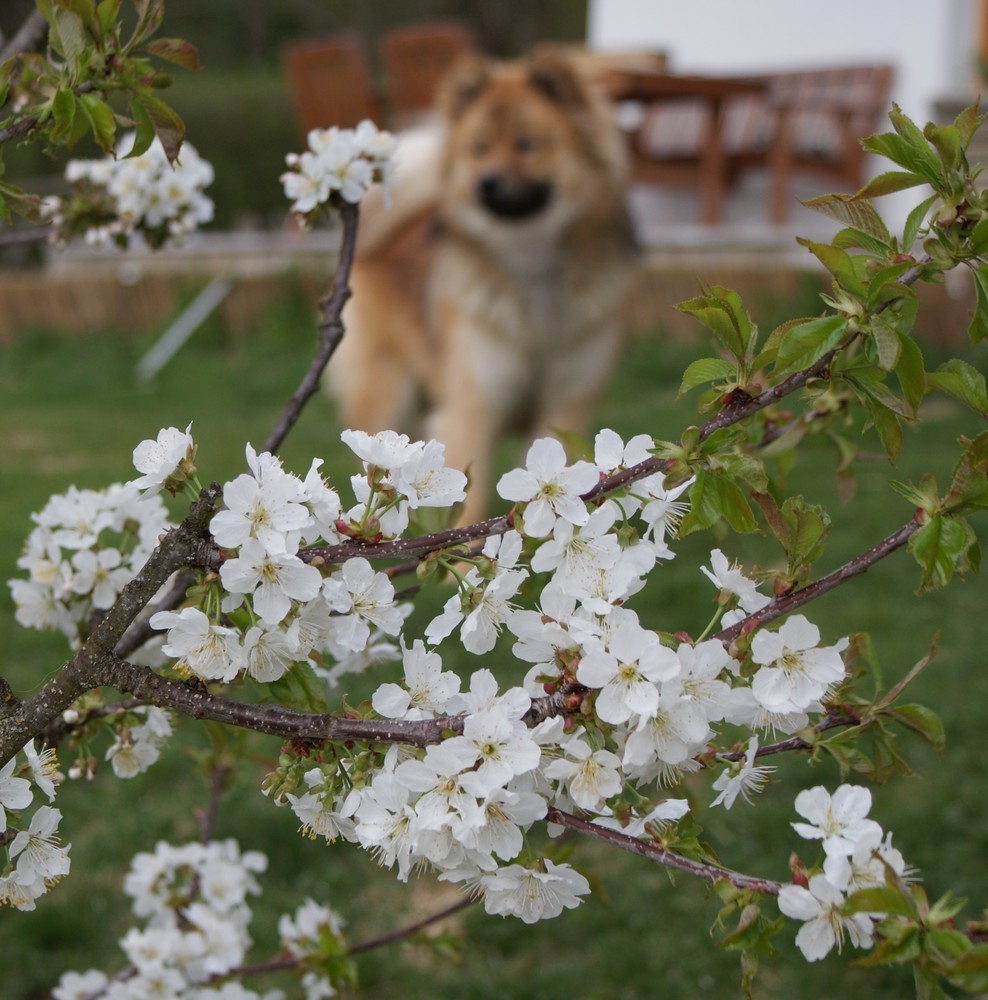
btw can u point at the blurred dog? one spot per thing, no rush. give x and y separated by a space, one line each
490 296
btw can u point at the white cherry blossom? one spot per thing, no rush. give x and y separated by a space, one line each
794 673
211 651
532 894
427 688
589 776
361 597
824 925
272 580
839 820
744 779
549 487
15 792
626 672
167 461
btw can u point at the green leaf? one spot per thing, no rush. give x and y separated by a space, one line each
968 122
705 370
802 345
946 141
883 285
887 424
63 105
740 466
174 50
927 984
149 15
969 481
915 137
108 14
939 547
101 120
915 220
925 496
868 382
70 35
911 371
841 265
849 209
807 527
144 129
924 722
13 199
977 329
970 971
889 183
713 497
169 128
886 338
962 381
723 314
83 9
879 899
916 158
858 239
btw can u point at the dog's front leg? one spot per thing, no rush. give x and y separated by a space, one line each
478 392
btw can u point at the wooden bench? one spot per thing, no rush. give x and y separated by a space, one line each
810 121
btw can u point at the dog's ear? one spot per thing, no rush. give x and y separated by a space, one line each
555 73
464 83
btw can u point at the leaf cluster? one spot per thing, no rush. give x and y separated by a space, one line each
93 79
857 367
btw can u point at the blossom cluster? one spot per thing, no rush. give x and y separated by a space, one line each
608 713
35 859
192 902
85 547
858 854
276 609
339 163
115 199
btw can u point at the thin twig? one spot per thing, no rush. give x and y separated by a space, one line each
207 816
793 742
407 931
797 598
287 963
661 856
330 330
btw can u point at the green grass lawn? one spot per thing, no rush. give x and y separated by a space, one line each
72 413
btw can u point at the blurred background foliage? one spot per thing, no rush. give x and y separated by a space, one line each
237 109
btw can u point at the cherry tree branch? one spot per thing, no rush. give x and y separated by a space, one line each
661 856
426 544
183 546
330 330
197 702
788 603
830 721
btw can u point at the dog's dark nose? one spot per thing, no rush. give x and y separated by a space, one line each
511 198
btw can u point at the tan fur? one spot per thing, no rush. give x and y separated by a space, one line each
490 319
